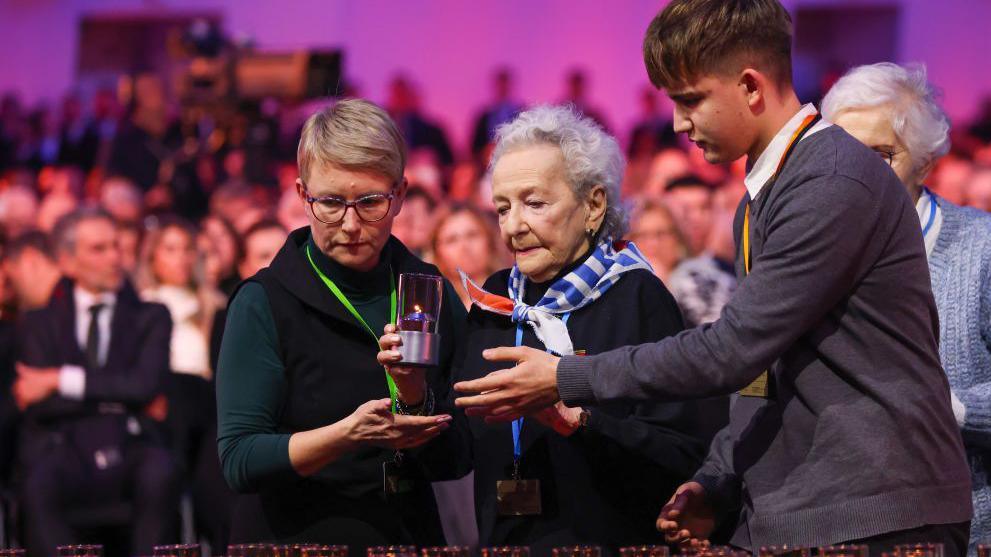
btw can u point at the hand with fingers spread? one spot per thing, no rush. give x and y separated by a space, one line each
507 394
373 423
687 519
410 381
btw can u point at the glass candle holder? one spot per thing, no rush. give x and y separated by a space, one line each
182 550
919 550
506 551
644 551
417 315
12 552
79 551
392 550
844 551
577 551
783 551
445 551
251 550
316 550
721 551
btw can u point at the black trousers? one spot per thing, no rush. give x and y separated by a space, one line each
59 483
954 537
192 429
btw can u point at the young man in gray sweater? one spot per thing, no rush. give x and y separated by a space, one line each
843 431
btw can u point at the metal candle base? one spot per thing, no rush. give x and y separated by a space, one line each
419 349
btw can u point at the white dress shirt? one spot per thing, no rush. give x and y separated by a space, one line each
189 349
72 379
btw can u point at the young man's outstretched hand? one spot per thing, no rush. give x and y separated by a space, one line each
687 519
507 394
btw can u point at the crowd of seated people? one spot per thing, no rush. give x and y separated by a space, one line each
130 208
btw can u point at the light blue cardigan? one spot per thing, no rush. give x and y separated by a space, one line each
960 268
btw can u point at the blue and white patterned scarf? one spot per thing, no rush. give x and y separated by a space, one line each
582 286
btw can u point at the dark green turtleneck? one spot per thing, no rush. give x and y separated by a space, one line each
368 292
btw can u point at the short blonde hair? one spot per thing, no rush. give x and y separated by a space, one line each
354 134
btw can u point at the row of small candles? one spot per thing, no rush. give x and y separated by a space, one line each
314 550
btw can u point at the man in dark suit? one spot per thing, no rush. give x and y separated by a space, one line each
90 365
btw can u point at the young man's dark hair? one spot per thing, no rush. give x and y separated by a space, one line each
699 37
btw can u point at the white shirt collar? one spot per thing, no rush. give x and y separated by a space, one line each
86 299
762 170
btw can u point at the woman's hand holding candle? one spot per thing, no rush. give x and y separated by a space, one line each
410 381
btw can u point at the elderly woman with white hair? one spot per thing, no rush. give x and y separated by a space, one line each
563 476
892 110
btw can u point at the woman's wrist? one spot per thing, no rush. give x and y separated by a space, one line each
424 408
412 394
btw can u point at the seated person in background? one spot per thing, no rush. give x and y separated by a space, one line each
413 226
169 274
702 283
261 242
657 235
8 410
893 111
89 364
465 240
31 271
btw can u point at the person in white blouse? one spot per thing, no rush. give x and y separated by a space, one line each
170 272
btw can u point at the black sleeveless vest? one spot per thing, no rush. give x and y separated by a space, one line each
331 369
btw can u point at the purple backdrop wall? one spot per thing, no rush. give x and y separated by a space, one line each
450 46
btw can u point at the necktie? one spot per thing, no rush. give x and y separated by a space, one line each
93 336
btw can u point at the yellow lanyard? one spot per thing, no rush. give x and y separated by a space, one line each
761 387
807 124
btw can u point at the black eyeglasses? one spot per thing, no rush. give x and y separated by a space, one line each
331 209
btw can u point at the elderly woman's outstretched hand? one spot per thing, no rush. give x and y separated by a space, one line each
507 394
410 381
373 423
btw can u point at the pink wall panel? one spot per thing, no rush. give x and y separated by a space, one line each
450 46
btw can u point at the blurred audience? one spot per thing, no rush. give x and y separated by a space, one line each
90 364
261 242
170 272
654 231
415 221
979 191
18 210
502 109
690 201
30 270
466 239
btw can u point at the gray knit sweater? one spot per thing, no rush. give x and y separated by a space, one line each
960 265
859 438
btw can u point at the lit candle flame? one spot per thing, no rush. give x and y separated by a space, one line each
417 309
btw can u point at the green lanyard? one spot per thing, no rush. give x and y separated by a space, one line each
347 303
